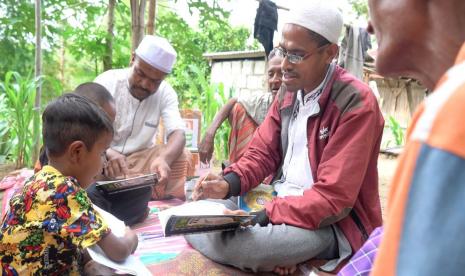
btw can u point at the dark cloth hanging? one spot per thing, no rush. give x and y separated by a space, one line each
266 22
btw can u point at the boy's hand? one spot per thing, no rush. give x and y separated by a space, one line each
116 165
132 239
211 186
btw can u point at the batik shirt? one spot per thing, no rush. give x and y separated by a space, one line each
49 222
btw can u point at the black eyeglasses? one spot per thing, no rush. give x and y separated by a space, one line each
293 58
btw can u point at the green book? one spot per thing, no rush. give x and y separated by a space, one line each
126 184
200 216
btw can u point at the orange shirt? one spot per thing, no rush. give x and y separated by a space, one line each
423 234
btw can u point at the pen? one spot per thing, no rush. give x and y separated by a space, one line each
203 179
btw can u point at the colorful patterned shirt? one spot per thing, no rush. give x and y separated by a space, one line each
49 222
425 224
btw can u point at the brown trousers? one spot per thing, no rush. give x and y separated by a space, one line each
140 163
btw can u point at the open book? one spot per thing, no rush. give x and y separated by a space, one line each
199 216
125 184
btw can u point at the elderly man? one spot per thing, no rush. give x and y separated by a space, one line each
142 97
425 224
245 114
323 141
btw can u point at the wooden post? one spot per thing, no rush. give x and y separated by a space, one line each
108 57
411 106
38 73
151 17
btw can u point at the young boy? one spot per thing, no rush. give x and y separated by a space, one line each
51 220
97 94
130 206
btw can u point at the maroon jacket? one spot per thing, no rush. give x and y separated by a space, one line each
344 140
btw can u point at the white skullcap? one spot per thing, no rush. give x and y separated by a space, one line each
320 17
157 52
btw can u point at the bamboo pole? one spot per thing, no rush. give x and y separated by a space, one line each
108 58
137 22
38 73
151 17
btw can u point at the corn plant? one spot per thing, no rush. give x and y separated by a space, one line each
397 131
5 145
21 117
209 98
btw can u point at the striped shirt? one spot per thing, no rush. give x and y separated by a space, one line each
424 230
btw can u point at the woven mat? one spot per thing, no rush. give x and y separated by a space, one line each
173 255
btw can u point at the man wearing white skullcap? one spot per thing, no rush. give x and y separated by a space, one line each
142 99
321 138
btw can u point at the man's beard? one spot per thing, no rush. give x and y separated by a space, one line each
139 92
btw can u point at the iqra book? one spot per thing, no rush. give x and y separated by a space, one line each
126 184
200 216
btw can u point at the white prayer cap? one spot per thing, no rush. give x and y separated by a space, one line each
318 16
157 52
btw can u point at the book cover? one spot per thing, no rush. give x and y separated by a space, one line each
199 216
125 184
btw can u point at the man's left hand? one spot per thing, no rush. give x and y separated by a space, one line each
163 170
235 212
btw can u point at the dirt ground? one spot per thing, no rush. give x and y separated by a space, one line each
386 168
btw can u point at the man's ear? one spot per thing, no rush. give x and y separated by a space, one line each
331 52
76 151
133 57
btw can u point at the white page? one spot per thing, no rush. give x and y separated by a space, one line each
132 265
194 208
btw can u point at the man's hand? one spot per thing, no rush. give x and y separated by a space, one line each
116 165
163 170
206 148
211 186
235 212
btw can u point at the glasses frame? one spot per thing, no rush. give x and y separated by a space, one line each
293 58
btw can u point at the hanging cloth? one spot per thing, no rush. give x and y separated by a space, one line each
266 22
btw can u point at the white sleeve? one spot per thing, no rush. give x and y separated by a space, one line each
170 111
108 80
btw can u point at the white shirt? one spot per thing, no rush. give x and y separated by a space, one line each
297 172
136 122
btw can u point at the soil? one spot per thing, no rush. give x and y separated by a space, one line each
386 169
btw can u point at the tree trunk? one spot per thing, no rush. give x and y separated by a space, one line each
38 72
62 60
151 18
137 22
108 57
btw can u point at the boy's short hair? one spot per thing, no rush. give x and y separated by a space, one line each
95 92
72 118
